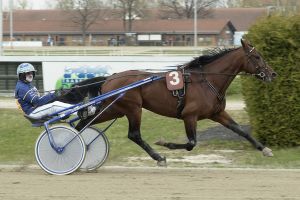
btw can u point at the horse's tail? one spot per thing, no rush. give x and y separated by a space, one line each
94 85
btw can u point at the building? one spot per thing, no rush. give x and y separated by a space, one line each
241 18
55 27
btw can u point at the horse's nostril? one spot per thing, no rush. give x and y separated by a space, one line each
274 74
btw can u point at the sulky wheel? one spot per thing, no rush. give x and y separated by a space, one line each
97 148
67 157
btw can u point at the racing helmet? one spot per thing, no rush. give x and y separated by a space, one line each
24 68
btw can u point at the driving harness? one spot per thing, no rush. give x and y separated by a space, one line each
180 94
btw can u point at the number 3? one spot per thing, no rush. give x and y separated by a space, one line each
175 78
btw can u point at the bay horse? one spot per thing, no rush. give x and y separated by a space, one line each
209 77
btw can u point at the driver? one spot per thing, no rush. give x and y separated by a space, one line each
29 99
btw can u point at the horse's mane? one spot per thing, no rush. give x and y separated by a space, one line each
213 54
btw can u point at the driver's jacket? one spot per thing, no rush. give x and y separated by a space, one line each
28 97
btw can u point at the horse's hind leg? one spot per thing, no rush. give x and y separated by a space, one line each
224 119
190 124
134 134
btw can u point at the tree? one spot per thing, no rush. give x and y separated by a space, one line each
83 13
284 6
50 4
247 3
274 108
129 11
180 9
22 4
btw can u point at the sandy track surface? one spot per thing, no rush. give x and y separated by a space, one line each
114 183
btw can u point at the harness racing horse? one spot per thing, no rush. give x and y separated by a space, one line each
210 76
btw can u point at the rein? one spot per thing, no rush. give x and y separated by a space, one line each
153 73
75 87
163 72
224 74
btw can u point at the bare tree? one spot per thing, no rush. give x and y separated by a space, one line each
129 11
248 3
50 4
83 13
180 9
283 6
22 4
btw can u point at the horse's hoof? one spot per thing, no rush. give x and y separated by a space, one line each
267 152
162 163
160 143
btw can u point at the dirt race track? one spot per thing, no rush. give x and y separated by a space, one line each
114 183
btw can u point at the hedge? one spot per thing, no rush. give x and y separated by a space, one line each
274 108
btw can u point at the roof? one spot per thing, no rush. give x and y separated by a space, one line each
241 18
57 21
205 26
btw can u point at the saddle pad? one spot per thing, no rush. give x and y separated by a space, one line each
174 80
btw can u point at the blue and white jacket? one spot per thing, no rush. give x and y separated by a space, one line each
28 97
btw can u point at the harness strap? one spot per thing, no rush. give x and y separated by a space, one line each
180 94
180 102
220 97
214 90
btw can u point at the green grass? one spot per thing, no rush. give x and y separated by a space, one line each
6 98
245 156
17 140
17 137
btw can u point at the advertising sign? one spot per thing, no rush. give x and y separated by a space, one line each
64 74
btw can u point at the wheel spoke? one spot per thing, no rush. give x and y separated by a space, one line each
60 163
98 150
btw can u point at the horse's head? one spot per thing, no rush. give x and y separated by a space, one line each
256 65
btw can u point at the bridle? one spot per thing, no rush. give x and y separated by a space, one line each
220 93
251 59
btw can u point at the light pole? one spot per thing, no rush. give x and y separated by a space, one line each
1 29
11 2
195 24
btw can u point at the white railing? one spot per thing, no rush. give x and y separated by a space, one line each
104 51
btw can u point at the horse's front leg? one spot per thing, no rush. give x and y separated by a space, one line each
134 134
190 124
224 119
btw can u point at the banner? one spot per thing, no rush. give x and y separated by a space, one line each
64 74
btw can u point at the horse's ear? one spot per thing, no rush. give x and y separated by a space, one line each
244 44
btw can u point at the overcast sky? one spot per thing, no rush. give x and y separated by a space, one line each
44 4
33 4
